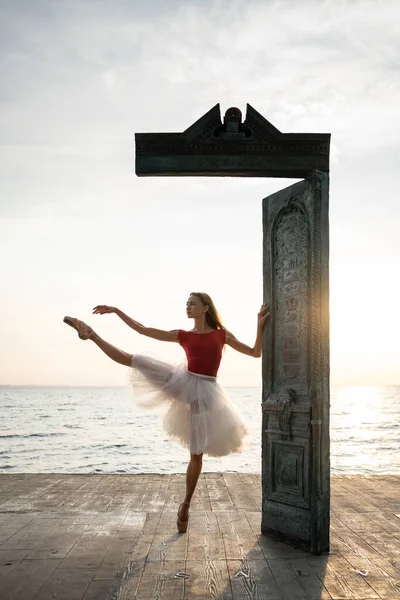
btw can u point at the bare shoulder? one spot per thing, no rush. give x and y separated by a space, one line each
229 337
174 335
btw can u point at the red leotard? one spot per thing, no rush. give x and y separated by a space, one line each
203 350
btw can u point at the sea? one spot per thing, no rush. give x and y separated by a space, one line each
100 430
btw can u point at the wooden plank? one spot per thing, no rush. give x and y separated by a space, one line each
89 551
379 574
107 522
53 501
287 584
358 522
98 502
31 534
167 522
203 522
9 559
10 524
200 503
135 499
360 498
161 580
273 548
239 546
133 524
142 548
387 544
75 518
151 522
218 493
381 491
239 494
102 590
28 577
340 504
167 547
155 496
349 543
16 518
307 579
395 563
116 559
233 522
386 520
254 520
176 491
205 546
83 484
123 588
336 524
207 580
252 580
59 542
340 578
28 495
66 584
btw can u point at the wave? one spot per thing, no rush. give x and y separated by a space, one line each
115 446
30 435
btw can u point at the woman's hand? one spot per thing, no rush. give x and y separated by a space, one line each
263 315
102 309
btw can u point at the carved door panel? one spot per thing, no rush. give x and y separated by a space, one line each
296 364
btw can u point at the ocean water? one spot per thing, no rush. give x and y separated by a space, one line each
99 430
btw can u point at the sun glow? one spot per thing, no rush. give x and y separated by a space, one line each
364 332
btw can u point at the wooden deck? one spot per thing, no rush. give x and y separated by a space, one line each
103 537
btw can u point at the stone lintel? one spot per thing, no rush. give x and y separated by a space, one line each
252 148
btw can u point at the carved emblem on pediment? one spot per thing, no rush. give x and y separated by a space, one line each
255 134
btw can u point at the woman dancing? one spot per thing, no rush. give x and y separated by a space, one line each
197 412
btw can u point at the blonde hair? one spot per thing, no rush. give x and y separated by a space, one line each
212 317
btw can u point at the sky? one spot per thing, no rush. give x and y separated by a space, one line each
79 228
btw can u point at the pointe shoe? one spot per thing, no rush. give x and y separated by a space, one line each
84 331
182 525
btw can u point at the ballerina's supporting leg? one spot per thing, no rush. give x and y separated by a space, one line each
192 477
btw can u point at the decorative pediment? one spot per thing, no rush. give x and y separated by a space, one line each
212 147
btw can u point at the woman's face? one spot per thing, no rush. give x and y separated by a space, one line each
194 307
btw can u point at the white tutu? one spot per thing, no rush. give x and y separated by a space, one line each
196 410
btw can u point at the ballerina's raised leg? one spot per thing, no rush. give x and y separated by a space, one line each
87 333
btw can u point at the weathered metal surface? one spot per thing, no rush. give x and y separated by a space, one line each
296 364
210 147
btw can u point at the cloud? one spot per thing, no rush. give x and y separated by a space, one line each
303 61
79 78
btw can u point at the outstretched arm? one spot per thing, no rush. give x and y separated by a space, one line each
157 334
255 351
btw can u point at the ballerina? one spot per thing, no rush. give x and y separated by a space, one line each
197 411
